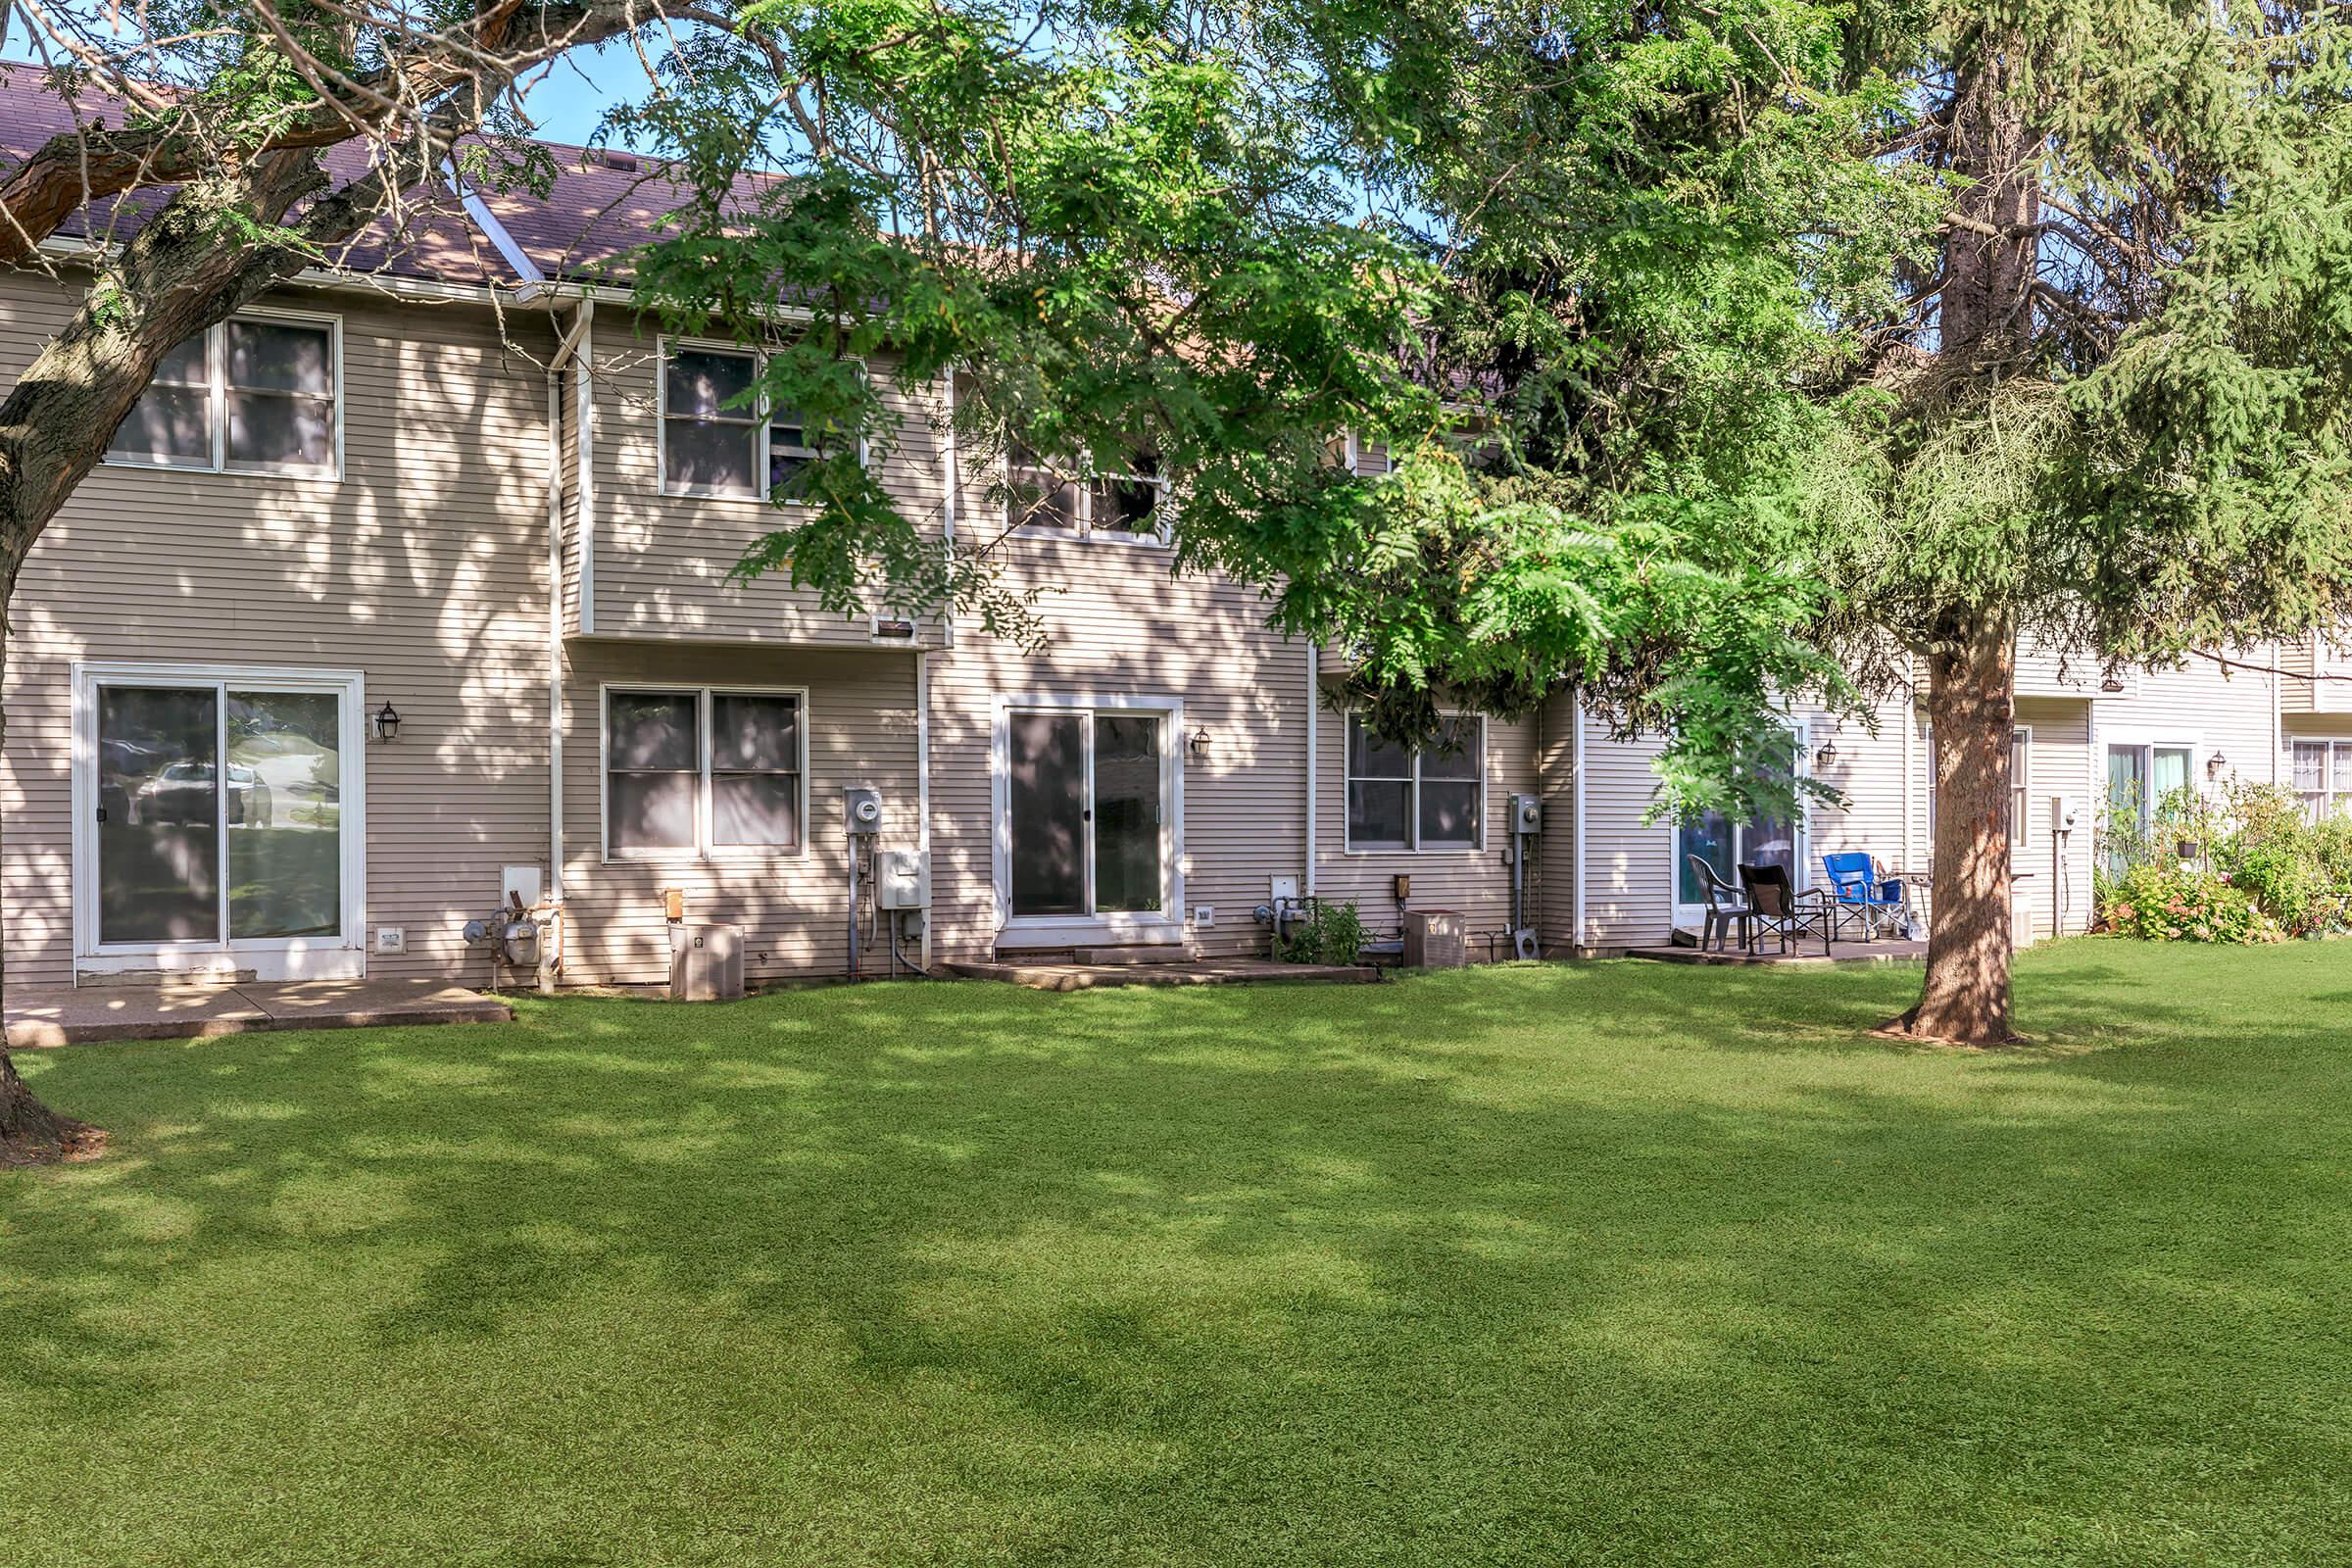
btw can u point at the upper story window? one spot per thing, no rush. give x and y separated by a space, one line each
702 771
1403 798
253 394
720 437
1128 505
2324 777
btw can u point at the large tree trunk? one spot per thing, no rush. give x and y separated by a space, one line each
1972 703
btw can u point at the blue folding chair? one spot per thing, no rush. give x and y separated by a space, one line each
1857 894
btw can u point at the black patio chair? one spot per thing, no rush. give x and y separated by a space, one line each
1782 911
1725 906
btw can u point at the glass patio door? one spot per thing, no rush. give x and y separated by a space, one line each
1764 839
1085 801
217 813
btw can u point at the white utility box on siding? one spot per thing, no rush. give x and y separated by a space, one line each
902 879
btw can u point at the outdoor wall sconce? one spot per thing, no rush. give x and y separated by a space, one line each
387 724
2112 684
1828 752
1198 744
2213 766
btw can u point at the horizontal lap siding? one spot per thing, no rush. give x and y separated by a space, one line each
794 909
1475 883
662 563
1117 623
425 568
1552 908
1629 892
2052 888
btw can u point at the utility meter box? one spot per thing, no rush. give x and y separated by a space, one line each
706 963
902 879
862 809
1527 814
2066 813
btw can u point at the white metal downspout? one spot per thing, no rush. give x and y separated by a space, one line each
555 606
1314 702
1584 841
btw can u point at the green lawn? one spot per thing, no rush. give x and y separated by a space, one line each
1608 1264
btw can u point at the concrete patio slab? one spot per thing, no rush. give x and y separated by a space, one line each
60 1015
1809 957
1055 976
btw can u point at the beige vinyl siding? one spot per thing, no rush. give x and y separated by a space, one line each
1552 905
1629 889
662 563
1476 882
1120 625
792 905
425 568
567 413
2050 878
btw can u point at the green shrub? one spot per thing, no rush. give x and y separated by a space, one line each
1331 933
2182 903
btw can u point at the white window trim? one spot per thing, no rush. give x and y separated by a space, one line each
2149 741
217 418
343 955
1082 527
1165 925
2332 801
702 850
2020 811
663 346
1348 839
1800 732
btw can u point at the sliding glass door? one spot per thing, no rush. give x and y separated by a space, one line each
1086 813
1766 838
216 812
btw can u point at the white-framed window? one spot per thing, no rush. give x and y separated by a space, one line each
720 437
2021 786
704 771
2322 773
1402 798
1129 507
259 393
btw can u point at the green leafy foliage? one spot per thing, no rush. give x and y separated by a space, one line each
1331 933
2182 903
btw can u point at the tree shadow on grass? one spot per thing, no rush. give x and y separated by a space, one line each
1605 1262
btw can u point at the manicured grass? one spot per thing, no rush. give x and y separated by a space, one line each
1611 1264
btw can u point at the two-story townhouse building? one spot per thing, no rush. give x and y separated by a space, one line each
407 591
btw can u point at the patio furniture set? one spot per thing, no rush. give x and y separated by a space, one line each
1862 896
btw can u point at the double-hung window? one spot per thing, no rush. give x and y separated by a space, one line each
704 771
1402 798
1128 505
2324 777
721 436
2021 786
253 394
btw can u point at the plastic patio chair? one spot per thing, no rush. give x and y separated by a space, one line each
1725 906
1782 911
1858 894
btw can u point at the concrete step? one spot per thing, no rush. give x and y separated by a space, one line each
1163 953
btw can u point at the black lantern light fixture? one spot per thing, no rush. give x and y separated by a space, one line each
387 722
1828 754
1200 741
2213 766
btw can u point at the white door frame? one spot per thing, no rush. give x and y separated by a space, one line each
343 955
1801 732
1165 925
